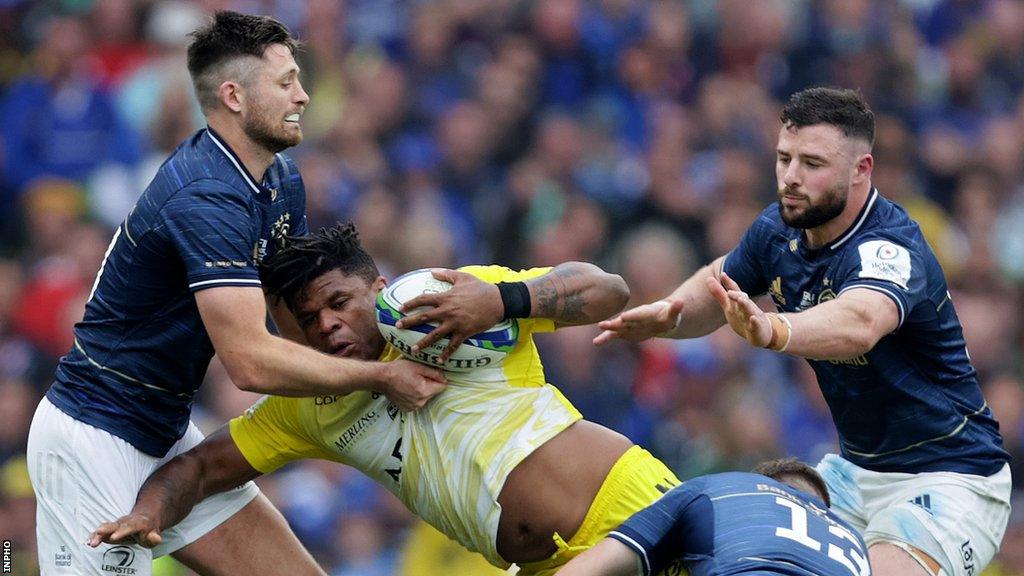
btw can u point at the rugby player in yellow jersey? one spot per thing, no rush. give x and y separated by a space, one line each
500 461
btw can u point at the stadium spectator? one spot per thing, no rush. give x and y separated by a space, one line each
58 120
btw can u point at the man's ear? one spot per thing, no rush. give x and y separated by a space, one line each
862 169
231 95
379 284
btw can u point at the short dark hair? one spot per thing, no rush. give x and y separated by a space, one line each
783 467
843 108
227 37
286 273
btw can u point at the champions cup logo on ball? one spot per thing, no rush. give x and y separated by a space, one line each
484 350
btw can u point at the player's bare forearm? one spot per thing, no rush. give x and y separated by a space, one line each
701 314
576 293
282 368
269 364
258 361
844 328
213 466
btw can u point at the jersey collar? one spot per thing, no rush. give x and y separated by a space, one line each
257 188
858 223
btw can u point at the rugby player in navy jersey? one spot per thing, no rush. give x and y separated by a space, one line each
179 282
860 295
773 521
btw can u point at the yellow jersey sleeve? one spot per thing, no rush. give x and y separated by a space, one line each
271 434
494 274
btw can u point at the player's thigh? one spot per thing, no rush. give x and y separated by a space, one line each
888 559
256 540
956 519
82 476
843 480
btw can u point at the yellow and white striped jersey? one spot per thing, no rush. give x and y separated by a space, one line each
447 461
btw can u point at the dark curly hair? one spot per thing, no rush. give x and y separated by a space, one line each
286 273
843 108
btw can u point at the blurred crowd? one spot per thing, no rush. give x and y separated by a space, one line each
637 134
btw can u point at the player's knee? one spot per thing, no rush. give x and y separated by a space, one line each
901 559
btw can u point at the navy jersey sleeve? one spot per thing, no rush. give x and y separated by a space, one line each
678 523
744 263
891 266
214 230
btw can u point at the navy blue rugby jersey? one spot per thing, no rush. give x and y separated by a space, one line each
741 523
912 404
141 351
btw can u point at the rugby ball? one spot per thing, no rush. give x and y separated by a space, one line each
487 349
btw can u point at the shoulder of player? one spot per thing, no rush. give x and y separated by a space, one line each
730 484
203 160
729 481
903 233
284 174
168 194
198 166
210 188
889 222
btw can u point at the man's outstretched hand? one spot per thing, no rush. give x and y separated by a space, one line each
643 322
744 316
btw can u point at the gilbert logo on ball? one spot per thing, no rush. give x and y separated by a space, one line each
484 350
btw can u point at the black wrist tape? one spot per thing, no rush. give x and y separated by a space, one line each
515 296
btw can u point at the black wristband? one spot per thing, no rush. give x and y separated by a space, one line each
515 296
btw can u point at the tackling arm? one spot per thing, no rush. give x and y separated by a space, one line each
258 361
213 466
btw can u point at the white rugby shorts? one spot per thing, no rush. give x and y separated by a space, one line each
957 519
84 476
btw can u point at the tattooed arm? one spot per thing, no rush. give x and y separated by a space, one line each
577 293
571 294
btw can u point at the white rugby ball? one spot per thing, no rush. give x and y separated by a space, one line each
484 350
